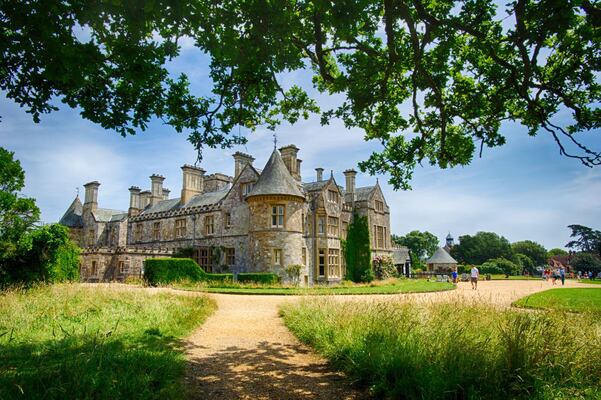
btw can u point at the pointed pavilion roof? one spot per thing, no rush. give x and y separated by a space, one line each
73 216
440 256
275 179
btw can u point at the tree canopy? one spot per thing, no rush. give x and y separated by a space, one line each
556 252
17 213
421 245
431 80
482 247
535 251
585 239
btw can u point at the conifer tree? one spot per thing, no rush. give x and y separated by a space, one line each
358 251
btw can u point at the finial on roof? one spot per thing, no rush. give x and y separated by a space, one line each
331 173
77 191
275 141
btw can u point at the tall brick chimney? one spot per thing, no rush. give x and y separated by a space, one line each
134 201
319 174
156 188
350 175
91 196
193 179
240 161
289 155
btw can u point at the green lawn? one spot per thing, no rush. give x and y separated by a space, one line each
595 282
76 342
566 299
393 286
455 350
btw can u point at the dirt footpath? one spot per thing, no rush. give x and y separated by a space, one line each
244 351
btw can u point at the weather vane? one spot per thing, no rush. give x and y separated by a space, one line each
77 190
275 140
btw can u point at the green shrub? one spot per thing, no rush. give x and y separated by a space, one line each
293 272
358 252
500 266
167 270
259 277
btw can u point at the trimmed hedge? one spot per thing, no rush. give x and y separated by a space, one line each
218 277
166 270
259 277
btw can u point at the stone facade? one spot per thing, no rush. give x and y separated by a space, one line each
250 222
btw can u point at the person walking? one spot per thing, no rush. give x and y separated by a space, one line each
454 276
562 275
475 274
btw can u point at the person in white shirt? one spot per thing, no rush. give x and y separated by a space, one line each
475 274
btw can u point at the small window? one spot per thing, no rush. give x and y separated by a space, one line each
379 206
333 261
332 196
321 225
123 267
156 231
94 269
230 256
91 238
277 256
205 259
227 220
304 256
344 232
180 228
138 232
247 188
277 216
209 225
322 262
333 226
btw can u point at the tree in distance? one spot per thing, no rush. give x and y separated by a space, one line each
430 80
482 247
421 245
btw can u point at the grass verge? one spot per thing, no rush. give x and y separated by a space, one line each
391 286
70 341
453 350
565 299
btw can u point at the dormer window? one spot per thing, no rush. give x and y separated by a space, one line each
379 205
247 188
332 196
277 216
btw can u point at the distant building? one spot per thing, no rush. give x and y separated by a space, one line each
441 261
254 221
402 260
450 243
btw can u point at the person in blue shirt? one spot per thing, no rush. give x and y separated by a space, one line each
454 276
562 275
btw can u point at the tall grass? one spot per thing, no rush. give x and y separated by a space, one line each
74 342
454 350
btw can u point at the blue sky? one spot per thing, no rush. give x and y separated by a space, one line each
523 190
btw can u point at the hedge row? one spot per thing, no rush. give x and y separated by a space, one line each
167 270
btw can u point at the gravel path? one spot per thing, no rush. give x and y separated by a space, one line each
244 351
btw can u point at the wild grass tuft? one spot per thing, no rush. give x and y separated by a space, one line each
76 342
454 350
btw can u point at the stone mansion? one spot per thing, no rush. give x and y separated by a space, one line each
254 221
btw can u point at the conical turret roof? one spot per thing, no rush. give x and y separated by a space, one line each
440 256
275 179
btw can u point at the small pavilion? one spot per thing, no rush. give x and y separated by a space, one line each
441 261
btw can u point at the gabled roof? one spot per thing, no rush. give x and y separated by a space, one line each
440 256
108 215
275 179
163 205
314 186
73 216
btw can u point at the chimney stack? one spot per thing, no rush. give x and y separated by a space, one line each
145 199
319 174
166 193
350 175
134 201
192 182
289 156
156 188
240 160
91 196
